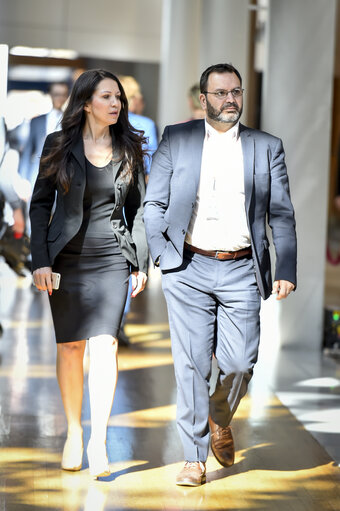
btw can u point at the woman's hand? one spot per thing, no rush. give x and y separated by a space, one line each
42 278
139 279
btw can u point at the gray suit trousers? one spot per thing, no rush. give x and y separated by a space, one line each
213 308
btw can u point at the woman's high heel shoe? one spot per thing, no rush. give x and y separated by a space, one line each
72 454
98 462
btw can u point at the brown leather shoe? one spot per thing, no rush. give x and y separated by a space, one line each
222 443
192 474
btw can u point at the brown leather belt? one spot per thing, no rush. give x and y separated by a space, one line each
218 254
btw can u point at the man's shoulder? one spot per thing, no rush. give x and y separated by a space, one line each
258 134
38 126
40 119
186 124
140 120
185 127
51 138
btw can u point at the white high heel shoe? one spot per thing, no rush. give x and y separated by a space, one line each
98 462
72 454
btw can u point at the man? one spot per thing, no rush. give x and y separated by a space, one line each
213 182
40 127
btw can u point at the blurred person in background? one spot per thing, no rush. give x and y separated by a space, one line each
9 179
95 167
136 107
13 192
140 122
39 128
195 106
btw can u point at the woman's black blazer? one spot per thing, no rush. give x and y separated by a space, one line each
50 232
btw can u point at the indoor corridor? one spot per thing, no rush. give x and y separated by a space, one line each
280 464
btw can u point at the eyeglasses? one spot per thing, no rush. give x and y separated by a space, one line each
223 94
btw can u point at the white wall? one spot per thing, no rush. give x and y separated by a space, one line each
225 37
114 29
297 107
195 35
181 31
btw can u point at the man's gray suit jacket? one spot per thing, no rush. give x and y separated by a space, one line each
173 186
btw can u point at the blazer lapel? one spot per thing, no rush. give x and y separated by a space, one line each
248 150
78 152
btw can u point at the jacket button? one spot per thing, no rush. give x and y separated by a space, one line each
183 231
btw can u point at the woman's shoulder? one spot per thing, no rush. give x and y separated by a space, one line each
52 137
50 143
51 140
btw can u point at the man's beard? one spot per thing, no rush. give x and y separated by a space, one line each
223 116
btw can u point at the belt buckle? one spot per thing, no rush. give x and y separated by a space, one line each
218 252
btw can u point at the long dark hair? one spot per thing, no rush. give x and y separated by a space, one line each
127 140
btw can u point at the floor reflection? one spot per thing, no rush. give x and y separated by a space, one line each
279 465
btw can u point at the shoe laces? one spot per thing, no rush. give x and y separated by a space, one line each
193 464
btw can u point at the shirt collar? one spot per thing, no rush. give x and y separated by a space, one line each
232 134
55 113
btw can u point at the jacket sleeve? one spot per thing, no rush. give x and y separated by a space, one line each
281 218
40 213
28 151
157 196
8 175
133 208
151 146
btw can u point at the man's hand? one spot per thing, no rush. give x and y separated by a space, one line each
282 288
138 282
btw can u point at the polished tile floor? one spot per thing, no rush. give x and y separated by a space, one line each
286 430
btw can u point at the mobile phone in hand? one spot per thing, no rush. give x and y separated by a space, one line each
55 280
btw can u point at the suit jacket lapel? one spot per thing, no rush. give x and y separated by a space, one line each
78 152
248 150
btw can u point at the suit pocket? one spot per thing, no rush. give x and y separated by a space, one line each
164 230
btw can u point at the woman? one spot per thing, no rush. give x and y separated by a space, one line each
94 167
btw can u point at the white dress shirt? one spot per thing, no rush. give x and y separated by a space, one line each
53 119
219 219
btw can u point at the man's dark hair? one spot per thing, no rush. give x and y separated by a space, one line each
217 68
